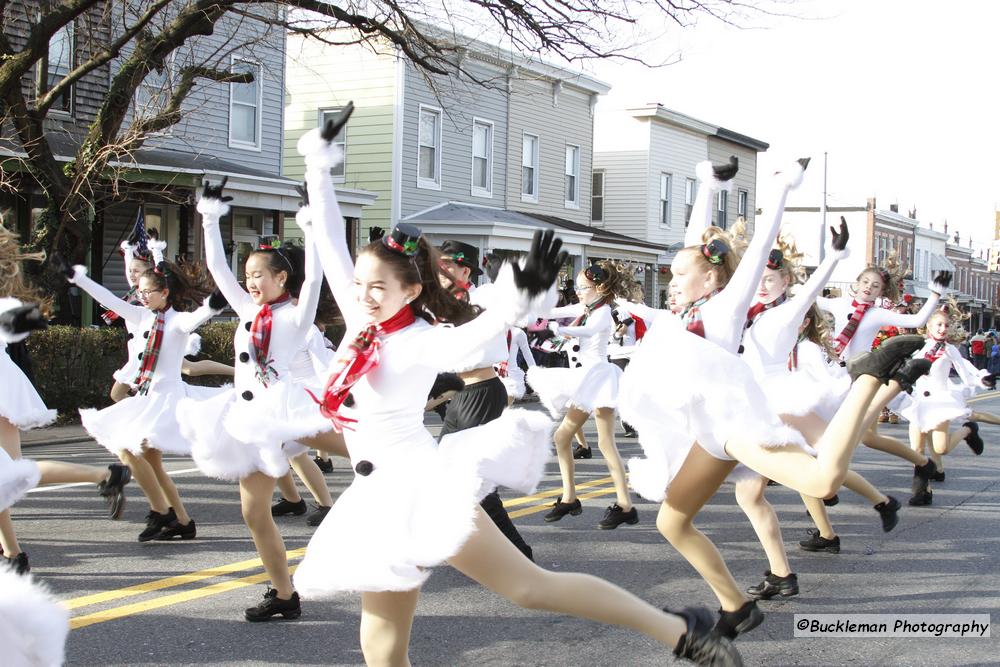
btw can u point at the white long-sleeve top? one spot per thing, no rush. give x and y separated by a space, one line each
290 322
492 352
970 377
769 341
519 343
874 319
177 327
591 344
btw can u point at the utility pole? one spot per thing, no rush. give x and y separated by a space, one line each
822 229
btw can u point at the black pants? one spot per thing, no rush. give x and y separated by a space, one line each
474 405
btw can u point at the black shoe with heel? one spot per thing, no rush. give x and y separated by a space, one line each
175 529
731 624
615 516
701 644
561 509
317 517
889 512
284 507
272 605
772 585
113 489
582 453
325 465
155 523
817 542
18 563
973 440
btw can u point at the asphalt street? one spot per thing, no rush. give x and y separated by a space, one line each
181 603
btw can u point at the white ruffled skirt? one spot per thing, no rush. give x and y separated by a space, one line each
932 403
150 418
20 404
33 624
680 388
585 388
232 437
514 383
17 477
416 506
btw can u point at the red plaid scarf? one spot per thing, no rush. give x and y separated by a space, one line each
360 356
758 309
937 350
501 368
260 341
691 315
150 355
847 333
131 296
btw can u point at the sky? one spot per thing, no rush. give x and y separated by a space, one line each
901 95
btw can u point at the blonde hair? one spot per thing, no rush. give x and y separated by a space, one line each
791 266
891 275
13 282
735 241
619 282
818 331
950 310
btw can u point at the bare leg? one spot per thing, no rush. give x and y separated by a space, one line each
286 485
571 423
580 438
943 442
256 490
605 418
312 477
329 442
386 621
750 496
819 515
695 483
985 417
119 391
875 440
57 472
154 457
206 367
490 558
861 486
145 477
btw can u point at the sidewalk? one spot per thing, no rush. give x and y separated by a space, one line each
54 435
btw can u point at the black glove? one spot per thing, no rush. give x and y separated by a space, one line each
541 267
332 126
59 263
990 380
839 239
22 319
942 278
215 191
804 161
216 301
153 234
725 172
375 233
444 383
303 191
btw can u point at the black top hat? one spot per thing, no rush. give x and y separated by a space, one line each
403 239
462 254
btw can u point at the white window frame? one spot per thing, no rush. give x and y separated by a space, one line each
743 203
722 208
663 217
532 198
690 192
71 91
259 80
572 203
488 190
428 183
604 184
321 113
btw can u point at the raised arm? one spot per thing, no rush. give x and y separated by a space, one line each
305 309
970 376
647 313
212 207
128 254
808 294
560 312
101 294
712 178
188 322
599 322
739 291
937 287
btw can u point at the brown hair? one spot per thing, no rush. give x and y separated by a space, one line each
791 265
818 332
891 276
435 303
734 241
189 283
619 282
12 278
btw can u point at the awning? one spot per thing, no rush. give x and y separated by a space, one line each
941 263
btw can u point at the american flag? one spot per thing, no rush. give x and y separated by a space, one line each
139 233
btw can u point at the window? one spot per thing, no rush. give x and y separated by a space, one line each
722 207
742 200
597 196
59 63
429 148
482 158
690 190
665 200
572 176
339 140
529 168
244 107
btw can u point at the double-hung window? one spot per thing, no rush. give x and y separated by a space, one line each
690 190
482 158
572 176
529 168
58 64
597 196
245 101
664 209
429 148
722 208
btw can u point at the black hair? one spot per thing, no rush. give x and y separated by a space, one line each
288 258
189 283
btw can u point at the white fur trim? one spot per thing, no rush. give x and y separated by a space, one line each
10 303
791 176
319 154
303 218
514 304
937 287
706 175
157 249
79 270
33 625
193 345
649 478
125 246
212 208
840 254
17 477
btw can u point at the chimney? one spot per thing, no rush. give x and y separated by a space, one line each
958 240
913 213
931 225
894 208
945 226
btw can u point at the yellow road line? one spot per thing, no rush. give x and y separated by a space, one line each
985 397
524 500
166 601
544 506
170 582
